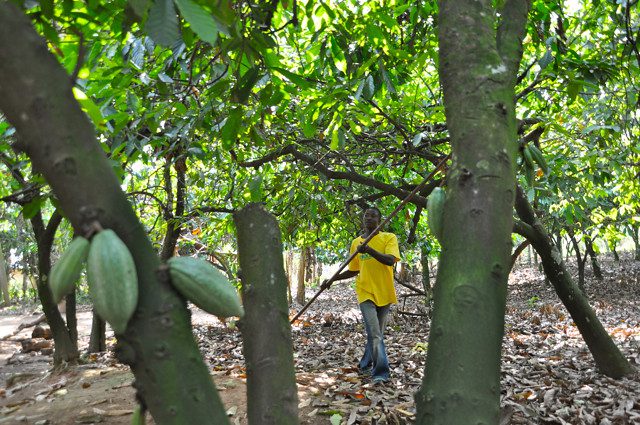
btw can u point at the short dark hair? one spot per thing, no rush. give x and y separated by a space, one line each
375 209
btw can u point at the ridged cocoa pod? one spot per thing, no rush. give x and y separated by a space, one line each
66 271
435 207
113 282
201 283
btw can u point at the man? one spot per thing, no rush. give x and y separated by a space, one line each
373 268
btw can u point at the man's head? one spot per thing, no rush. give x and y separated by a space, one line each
371 218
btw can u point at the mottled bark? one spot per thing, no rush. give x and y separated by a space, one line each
36 97
266 333
97 340
477 67
608 358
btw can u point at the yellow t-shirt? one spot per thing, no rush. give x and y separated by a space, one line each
375 280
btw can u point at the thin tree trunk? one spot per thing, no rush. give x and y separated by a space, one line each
426 279
4 280
266 333
97 340
580 259
635 235
72 319
172 381
65 349
597 271
608 358
478 67
174 226
289 271
302 266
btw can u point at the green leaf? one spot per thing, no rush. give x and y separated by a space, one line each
231 127
546 59
298 80
255 188
32 208
200 20
242 90
162 25
90 108
573 88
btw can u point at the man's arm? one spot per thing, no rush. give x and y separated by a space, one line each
386 259
341 276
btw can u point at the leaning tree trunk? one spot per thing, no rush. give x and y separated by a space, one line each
36 97
266 333
606 354
478 67
4 280
65 348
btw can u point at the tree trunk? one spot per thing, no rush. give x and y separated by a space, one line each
478 67
171 378
580 259
597 271
289 271
635 235
605 353
4 280
616 256
302 266
97 340
174 226
272 397
426 278
65 349
72 319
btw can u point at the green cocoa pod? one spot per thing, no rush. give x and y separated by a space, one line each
538 158
528 159
66 271
201 283
113 282
435 207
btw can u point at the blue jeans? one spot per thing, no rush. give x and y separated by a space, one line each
375 356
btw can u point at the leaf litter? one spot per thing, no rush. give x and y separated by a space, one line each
548 375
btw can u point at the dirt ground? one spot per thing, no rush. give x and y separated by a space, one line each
97 391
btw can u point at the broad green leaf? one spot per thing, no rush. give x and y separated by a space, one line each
90 108
231 127
201 21
162 24
298 80
255 188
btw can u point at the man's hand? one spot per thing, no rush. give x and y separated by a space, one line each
364 249
326 284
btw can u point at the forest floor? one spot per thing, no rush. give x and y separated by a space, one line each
548 375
